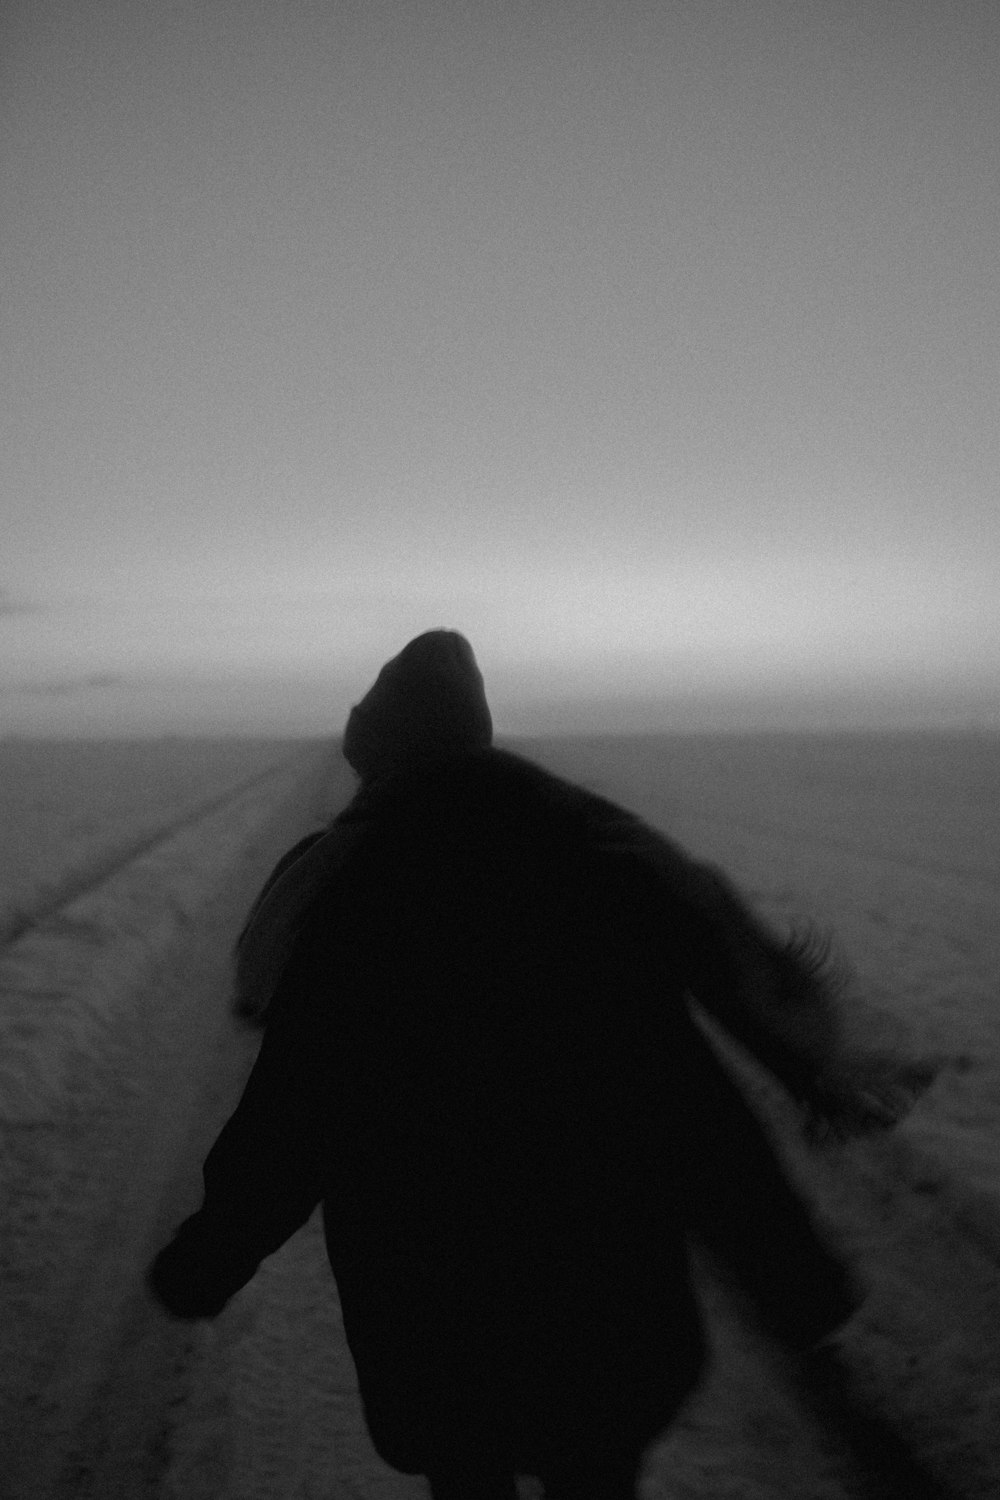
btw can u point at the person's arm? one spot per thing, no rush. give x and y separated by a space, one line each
769 995
774 996
284 863
264 1175
746 1212
777 997
780 999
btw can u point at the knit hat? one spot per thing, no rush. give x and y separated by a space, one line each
426 703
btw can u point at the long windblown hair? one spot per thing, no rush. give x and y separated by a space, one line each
853 1089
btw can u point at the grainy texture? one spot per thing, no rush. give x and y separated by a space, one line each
104 1397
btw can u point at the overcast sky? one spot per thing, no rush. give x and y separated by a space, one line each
655 346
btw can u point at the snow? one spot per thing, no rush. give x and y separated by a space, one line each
74 811
72 982
119 1062
892 843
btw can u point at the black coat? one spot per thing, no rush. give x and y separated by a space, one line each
481 1061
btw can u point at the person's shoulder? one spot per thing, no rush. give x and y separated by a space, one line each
451 781
506 785
503 769
491 794
589 811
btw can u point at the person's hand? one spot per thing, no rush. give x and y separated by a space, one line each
179 1286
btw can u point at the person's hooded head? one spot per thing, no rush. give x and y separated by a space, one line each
427 703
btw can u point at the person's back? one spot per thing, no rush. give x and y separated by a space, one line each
504 1227
479 1057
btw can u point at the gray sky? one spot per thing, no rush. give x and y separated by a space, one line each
654 346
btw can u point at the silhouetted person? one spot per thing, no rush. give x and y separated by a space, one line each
480 1058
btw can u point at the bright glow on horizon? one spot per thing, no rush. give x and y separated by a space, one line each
660 360
571 654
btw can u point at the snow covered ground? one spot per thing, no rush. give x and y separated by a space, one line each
71 810
892 843
119 1061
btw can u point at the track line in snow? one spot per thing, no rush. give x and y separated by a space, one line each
78 881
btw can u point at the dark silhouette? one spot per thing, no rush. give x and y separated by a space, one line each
480 1057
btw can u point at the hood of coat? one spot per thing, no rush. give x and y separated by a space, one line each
427 703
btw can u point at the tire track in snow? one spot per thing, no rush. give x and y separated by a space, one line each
85 1172
77 881
261 1405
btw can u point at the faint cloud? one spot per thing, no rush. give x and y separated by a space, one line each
60 687
10 605
13 604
